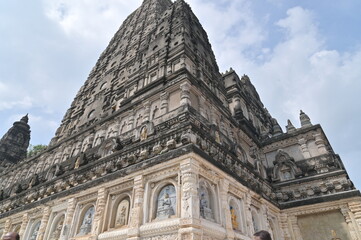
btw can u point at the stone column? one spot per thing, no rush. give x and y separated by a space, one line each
320 143
352 226
146 116
24 223
136 213
190 219
100 211
44 223
164 103
225 211
68 218
304 148
185 94
295 228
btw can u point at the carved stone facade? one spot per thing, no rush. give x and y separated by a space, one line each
158 144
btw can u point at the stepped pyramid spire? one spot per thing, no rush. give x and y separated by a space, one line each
157 39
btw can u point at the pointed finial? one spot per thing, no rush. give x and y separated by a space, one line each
276 127
290 128
305 120
25 119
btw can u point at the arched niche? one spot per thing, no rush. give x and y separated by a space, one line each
86 220
16 228
273 229
285 167
57 227
166 200
33 233
155 210
255 220
207 201
120 213
237 220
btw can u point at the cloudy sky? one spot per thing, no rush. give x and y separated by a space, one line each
299 54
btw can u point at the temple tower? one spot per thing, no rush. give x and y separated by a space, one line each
158 144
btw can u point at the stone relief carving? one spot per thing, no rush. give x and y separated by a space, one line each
166 202
121 218
205 204
87 222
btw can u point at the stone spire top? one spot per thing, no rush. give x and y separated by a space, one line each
156 40
14 144
305 120
25 119
290 128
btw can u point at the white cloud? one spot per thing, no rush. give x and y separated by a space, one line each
91 19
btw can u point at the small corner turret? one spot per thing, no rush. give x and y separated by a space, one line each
14 144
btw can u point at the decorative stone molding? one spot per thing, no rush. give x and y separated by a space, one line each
320 143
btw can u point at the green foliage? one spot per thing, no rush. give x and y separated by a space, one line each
36 149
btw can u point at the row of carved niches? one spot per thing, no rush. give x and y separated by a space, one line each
216 144
54 183
165 206
318 188
286 168
104 138
114 158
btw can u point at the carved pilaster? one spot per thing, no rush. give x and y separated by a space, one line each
136 213
264 213
146 116
185 94
224 186
7 227
164 98
130 120
44 223
352 226
24 223
202 104
304 148
68 218
213 116
100 210
355 208
284 227
249 222
295 228
320 143
190 221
